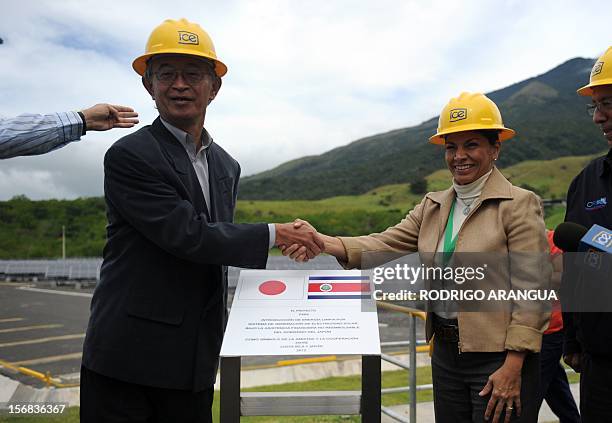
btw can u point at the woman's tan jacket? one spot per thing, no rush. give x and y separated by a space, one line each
503 219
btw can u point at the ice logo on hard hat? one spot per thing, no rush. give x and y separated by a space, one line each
597 68
186 37
458 114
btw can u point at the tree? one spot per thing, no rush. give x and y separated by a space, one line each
419 186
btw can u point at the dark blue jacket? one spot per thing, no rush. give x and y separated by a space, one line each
159 310
589 202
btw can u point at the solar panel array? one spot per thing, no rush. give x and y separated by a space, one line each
83 269
88 269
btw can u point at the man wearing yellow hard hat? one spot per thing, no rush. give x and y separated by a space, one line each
158 312
588 337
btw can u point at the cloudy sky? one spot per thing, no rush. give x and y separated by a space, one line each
304 76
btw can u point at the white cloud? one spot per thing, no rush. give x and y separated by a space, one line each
304 77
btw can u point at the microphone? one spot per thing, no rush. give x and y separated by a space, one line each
567 236
572 237
589 263
595 243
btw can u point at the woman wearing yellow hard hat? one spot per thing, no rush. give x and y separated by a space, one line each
483 363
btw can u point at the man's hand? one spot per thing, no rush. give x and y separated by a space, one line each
331 245
302 235
573 360
296 251
103 117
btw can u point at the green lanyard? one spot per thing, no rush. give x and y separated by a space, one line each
449 241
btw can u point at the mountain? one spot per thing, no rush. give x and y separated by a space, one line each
546 112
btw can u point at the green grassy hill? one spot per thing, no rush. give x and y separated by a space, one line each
547 178
546 112
32 229
386 205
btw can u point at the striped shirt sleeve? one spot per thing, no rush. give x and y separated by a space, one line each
31 134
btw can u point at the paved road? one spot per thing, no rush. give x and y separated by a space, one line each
42 327
42 331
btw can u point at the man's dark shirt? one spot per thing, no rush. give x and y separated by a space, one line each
588 203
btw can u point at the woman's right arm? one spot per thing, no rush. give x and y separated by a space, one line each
399 239
334 247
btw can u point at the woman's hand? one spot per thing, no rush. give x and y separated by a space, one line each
504 385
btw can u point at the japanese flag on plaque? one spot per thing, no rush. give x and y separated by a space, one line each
261 288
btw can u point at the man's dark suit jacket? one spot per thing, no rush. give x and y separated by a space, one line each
158 312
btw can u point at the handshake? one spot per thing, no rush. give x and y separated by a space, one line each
300 240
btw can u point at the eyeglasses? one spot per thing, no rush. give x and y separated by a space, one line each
604 106
190 75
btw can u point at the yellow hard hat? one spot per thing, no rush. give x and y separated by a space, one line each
601 74
470 112
179 37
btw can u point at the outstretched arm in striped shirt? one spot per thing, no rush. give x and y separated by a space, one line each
31 134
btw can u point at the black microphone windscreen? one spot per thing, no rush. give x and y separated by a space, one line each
568 235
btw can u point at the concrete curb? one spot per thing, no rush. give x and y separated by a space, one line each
7 388
313 371
12 391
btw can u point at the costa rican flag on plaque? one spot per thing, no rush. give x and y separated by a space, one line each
339 287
